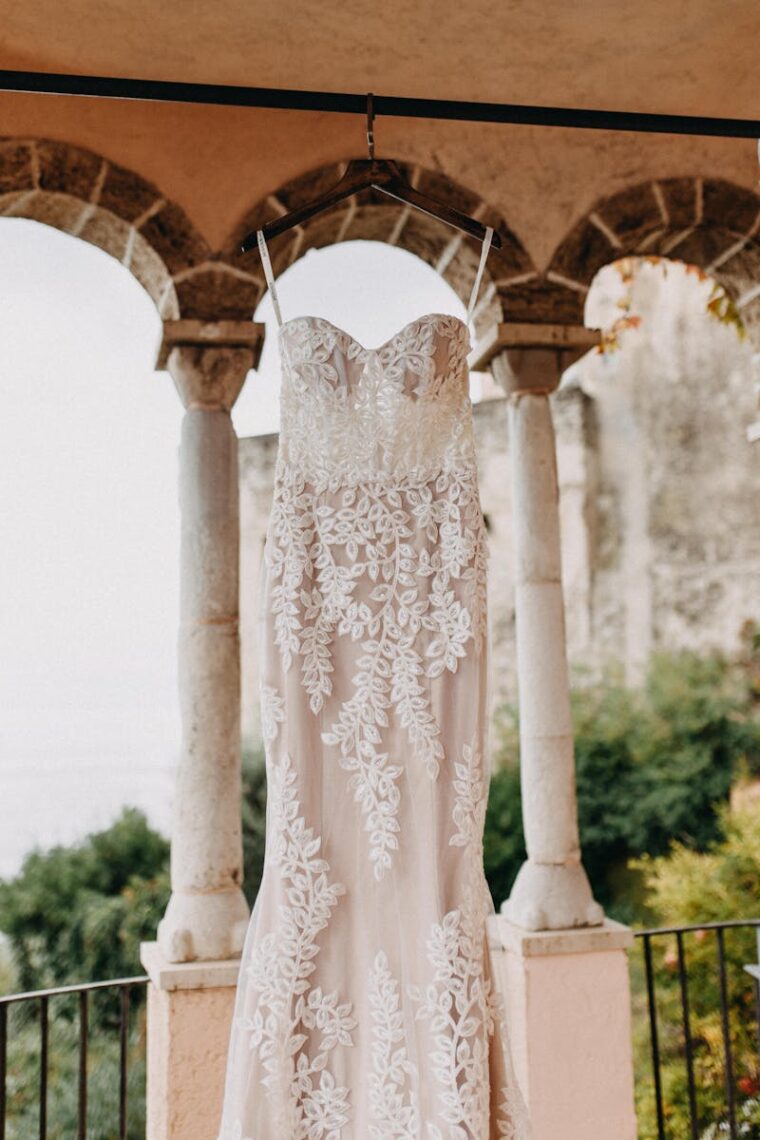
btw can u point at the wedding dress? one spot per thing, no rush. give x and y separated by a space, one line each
365 1007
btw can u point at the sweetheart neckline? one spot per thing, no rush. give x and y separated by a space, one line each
409 324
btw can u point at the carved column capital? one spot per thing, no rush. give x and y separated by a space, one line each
531 358
209 360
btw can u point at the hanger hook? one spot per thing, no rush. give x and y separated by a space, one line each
370 126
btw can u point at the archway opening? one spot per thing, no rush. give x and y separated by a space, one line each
88 580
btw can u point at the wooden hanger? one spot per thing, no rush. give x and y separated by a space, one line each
380 174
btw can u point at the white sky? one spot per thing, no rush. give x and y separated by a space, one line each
89 527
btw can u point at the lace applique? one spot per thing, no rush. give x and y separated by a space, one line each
349 414
272 713
377 535
394 1119
459 1001
312 1106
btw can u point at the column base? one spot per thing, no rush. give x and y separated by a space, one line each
190 1009
204 927
552 896
567 1002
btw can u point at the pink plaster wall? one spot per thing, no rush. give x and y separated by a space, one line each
571 1042
188 1035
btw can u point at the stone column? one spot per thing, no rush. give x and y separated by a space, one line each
551 891
560 966
207 914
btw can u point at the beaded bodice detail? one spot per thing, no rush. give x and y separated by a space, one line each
350 414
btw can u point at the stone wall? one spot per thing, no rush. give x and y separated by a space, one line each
659 496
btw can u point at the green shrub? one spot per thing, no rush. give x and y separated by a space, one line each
686 887
652 766
79 913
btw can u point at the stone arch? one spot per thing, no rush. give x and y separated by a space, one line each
84 194
374 217
707 222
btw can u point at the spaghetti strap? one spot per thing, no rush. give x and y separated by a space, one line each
479 274
269 275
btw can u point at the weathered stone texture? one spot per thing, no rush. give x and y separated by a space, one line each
67 169
16 169
172 237
214 293
583 253
125 195
732 207
681 196
633 212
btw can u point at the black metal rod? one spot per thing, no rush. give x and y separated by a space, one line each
88 987
688 1048
123 1043
728 1055
83 1034
44 1035
3 1066
757 1014
229 95
655 1039
732 924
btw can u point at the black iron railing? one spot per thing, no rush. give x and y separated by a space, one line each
115 1020
689 975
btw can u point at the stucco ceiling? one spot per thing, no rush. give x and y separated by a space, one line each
679 56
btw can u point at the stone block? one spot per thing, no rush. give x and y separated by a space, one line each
15 165
680 198
216 293
728 205
632 213
125 194
541 301
583 253
173 238
67 169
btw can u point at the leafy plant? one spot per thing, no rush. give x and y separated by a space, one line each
80 912
686 887
652 766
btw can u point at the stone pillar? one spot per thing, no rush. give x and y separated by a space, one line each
551 891
207 913
560 966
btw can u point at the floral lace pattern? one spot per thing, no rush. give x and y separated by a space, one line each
377 483
311 1105
365 1008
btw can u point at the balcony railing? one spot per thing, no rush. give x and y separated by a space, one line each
695 999
703 1006
29 1014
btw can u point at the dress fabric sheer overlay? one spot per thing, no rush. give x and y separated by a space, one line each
366 1008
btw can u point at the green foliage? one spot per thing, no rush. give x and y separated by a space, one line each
652 766
102 1076
687 887
503 840
254 820
76 914
8 982
79 913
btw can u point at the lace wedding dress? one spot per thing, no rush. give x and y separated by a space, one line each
365 1007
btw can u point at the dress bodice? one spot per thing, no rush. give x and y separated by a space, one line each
351 414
